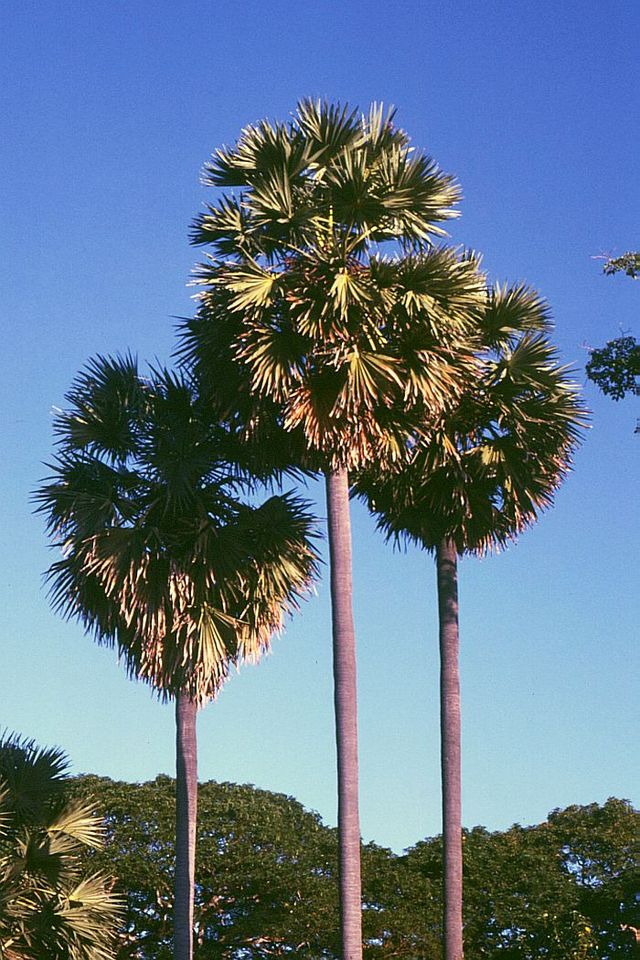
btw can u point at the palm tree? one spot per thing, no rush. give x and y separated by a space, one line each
476 479
162 559
47 908
304 322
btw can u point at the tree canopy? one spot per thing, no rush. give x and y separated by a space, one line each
164 555
615 368
265 880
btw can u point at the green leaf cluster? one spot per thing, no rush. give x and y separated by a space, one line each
615 368
50 906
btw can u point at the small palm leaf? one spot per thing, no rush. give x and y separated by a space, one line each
106 402
79 823
512 311
328 128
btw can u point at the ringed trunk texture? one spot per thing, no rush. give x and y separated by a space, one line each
345 698
450 741
186 815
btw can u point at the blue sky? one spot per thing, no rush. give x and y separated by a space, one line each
109 111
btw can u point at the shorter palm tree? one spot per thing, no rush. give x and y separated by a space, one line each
475 480
47 907
164 558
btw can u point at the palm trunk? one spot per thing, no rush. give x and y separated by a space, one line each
186 815
450 740
345 698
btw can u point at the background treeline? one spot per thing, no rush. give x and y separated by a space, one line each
265 880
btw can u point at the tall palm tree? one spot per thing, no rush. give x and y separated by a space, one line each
477 478
163 559
47 908
304 321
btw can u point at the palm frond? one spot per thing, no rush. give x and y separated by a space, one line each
106 400
76 822
511 311
328 128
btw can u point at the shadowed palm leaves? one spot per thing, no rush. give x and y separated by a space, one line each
47 908
162 559
308 335
477 478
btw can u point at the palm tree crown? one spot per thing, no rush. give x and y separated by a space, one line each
481 474
302 315
160 556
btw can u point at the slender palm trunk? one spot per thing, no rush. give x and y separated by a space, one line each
345 698
186 815
450 740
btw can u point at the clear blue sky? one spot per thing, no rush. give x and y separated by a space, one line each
109 111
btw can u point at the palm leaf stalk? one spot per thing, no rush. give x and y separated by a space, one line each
47 907
476 479
330 323
163 558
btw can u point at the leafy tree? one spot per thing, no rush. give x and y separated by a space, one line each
49 906
615 368
527 895
265 880
304 322
265 875
163 559
475 480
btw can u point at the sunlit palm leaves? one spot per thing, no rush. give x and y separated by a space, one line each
301 308
339 345
483 473
47 908
161 557
327 164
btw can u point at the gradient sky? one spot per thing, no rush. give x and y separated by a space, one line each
109 111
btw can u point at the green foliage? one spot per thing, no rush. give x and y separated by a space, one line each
163 556
562 889
328 167
49 905
615 368
628 263
266 884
